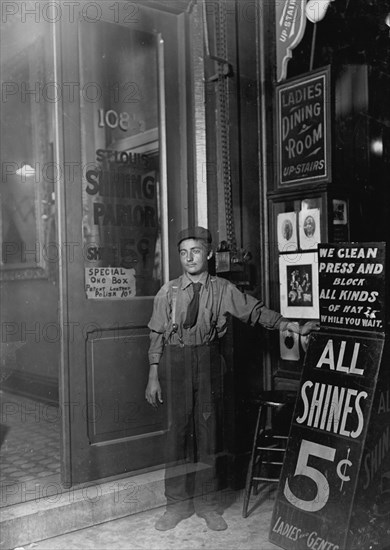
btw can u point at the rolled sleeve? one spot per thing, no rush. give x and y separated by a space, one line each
157 325
156 347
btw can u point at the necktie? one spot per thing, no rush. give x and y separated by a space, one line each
193 307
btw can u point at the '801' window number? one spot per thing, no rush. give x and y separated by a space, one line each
113 120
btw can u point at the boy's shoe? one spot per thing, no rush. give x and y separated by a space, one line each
214 521
170 519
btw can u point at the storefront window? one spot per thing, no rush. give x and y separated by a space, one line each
26 183
121 159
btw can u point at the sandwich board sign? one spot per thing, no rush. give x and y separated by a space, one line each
334 488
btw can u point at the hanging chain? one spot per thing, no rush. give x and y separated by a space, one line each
223 122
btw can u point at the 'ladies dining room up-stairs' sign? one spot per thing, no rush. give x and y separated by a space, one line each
334 489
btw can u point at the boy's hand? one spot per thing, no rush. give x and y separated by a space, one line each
305 329
153 392
309 327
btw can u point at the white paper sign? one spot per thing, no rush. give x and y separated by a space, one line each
109 283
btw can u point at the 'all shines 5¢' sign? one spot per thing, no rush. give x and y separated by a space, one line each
326 443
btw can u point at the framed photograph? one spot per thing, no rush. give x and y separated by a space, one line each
340 213
309 229
287 232
299 286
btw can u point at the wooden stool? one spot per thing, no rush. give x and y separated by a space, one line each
269 445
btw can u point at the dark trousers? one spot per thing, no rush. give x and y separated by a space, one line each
194 386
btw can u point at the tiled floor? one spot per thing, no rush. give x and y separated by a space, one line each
29 453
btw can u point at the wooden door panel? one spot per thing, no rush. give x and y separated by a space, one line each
117 373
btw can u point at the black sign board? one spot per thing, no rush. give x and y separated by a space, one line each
303 129
323 459
369 526
352 286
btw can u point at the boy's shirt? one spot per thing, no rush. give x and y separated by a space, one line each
218 297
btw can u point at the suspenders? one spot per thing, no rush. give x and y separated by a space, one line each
174 300
213 282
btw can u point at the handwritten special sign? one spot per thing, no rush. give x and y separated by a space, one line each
303 129
330 424
352 286
109 282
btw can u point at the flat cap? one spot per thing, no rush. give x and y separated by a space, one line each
194 232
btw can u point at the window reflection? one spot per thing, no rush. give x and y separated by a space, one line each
24 146
18 189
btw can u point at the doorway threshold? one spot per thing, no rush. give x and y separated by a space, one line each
19 492
61 511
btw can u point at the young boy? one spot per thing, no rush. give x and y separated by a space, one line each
188 320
